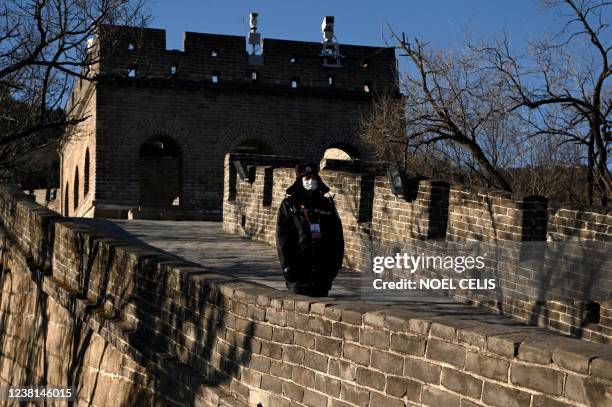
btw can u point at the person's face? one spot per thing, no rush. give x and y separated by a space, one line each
309 182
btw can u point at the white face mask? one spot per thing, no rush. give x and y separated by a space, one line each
310 184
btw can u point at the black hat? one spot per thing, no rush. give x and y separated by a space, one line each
305 169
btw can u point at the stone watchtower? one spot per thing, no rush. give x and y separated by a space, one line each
159 122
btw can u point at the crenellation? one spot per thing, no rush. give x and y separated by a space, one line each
227 55
452 214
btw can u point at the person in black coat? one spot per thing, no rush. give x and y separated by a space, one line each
309 237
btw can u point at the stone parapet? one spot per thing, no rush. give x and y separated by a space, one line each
429 214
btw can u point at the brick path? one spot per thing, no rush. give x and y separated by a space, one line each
205 243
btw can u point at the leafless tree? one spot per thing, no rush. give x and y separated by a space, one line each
560 87
384 129
452 109
44 48
529 123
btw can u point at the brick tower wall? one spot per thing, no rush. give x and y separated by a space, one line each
208 119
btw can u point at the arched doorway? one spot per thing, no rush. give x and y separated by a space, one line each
254 146
159 170
341 151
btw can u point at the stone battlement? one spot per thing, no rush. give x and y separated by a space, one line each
226 58
432 214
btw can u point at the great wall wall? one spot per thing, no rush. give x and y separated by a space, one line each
130 324
377 222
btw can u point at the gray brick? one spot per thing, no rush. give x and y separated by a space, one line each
282 335
587 391
409 344
259 363
401 386
342 369
345 331
250 377
271 350
280 369
293 354
304 339
303 376
315 361
354 394
357 354
491 367
327 385
319 325
381 400
446 352
536 352
272 384
602 367
501 396
537 378
431 396
329 346
387 362
294 391
543 401
421 370
370 378
462 383
314 399
376 338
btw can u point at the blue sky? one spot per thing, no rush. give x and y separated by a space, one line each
358 21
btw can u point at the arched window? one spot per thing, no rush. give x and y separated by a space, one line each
66 201
341 151
86 174
75 203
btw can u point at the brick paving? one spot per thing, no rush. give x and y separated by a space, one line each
206 244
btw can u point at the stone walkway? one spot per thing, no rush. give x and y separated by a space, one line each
205 243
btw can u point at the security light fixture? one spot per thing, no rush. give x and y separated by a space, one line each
253 21
254 38
331 48
396 181
328 28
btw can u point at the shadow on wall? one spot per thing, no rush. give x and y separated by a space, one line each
123 298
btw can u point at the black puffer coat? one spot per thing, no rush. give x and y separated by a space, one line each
309 265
